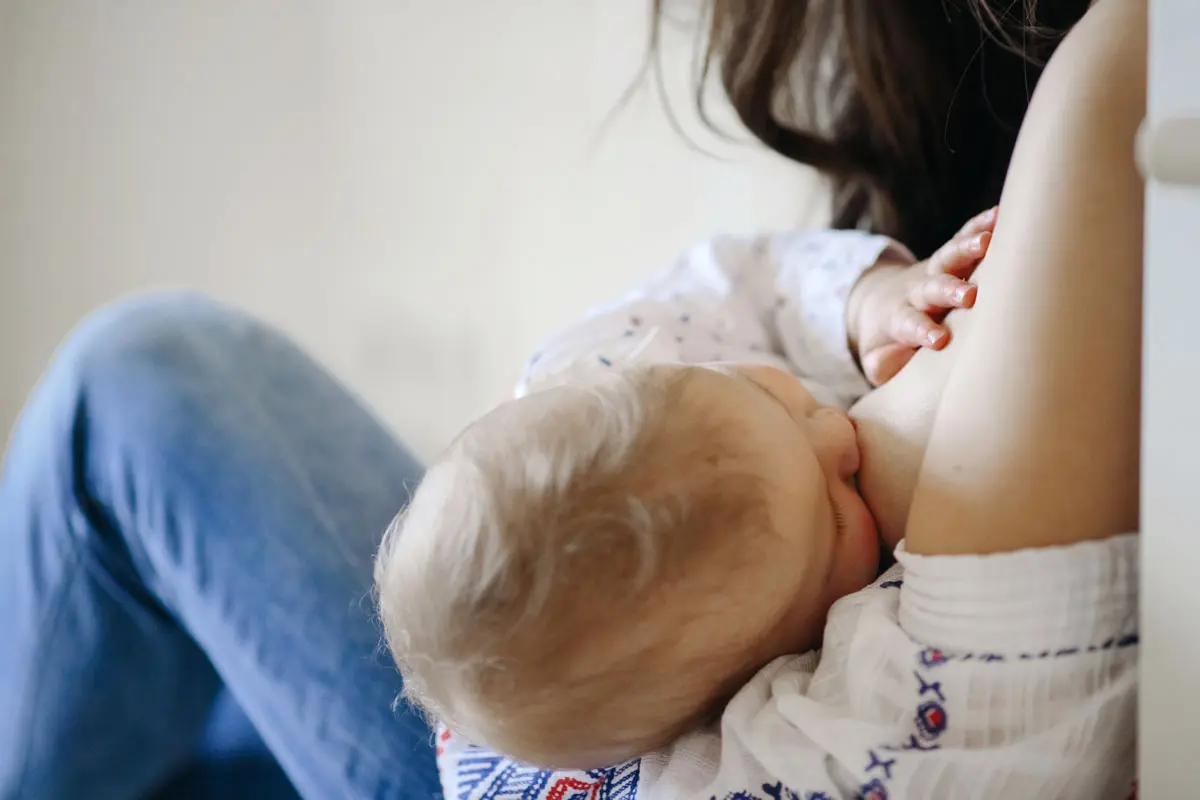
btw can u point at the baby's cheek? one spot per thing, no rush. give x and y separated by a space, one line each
886 485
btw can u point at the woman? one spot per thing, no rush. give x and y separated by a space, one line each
1001 659
190 502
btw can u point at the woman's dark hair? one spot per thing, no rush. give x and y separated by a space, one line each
909 107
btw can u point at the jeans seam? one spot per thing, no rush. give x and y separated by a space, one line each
29 703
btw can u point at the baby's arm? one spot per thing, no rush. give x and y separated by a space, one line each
774 299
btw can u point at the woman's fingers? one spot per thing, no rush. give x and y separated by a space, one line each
960 255
942 292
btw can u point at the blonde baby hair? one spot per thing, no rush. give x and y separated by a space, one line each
557 584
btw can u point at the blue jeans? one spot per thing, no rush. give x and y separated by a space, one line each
190 505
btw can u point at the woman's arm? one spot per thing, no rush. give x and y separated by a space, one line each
1035 442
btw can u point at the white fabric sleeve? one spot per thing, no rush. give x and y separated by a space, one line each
777 299
1035 601
816 274
1000 676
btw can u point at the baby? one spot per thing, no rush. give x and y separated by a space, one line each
579 579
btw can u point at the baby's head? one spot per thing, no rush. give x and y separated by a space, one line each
594 569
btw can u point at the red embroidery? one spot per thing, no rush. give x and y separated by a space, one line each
563 785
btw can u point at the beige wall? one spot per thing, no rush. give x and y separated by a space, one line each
417 191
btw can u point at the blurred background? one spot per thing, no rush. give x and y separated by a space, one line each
416 191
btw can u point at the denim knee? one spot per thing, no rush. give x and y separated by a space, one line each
145 395
152 343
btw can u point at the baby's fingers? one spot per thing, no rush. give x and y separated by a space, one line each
881 364
941 292
960 256
983 221
915 329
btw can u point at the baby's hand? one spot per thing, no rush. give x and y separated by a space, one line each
894 310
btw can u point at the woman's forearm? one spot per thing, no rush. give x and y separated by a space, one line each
1035 441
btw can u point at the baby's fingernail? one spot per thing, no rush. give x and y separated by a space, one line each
960 294
933 337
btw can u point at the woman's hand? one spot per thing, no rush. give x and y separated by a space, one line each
895 309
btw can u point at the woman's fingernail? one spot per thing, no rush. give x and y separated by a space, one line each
933 337
960 294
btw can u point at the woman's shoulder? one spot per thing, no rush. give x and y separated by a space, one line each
1103 54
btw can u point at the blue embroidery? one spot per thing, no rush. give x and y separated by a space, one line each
777 791
911 744
926 687
875 790
931 657
510 784
891 584
500 779
773 791
474 769
883 764
605 361
622 782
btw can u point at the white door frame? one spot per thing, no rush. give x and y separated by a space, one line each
1169 725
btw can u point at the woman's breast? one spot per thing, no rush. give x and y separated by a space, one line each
893 427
